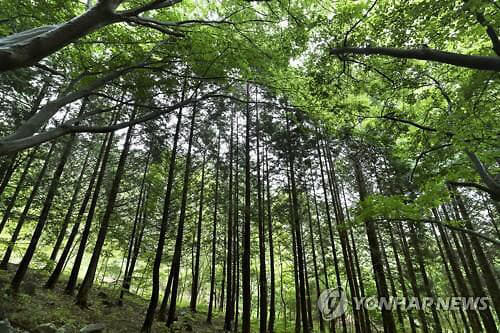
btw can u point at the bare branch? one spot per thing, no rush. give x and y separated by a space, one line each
422 154
156 4
469 61
153 24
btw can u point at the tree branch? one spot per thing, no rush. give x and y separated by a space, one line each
153 24
471 184
456 59
451 227
7 147
35 122
490 31
422 154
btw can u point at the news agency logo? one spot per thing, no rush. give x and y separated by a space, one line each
332 303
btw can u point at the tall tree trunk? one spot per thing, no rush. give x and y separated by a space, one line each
19 186
69 212
365 324
88 281
228 319
176 260
262 240
315 264
394 292
245 268
71 285
402 283
376 257
138 242
162 313
490 277
330 230
321 243
306 278
272 300
24 214
472 277
134 233
155 292
449 276
44 214
412 277
296 229
414 233
9 166
212 295
196 274
54 277
341 228
236 222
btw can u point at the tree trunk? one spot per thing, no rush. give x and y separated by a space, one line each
88 281
71 285
486 318
402 283
414 233
272 300
245 268
262 240
69 212
24 214
412 277
296 229
376 257
155 292
42 220
19 186
450 279
315 264
228 319
54 277
134 245
176 260
212 295
196 275
490 278
330 229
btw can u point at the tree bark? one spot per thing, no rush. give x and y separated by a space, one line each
19 186
153 302
213 295
54 277
176 260
262 240
69 212
196 274
44 214
24 215
88 281
296 228
71 285
375 253
487 63
229 313
272 300
245 269
133 240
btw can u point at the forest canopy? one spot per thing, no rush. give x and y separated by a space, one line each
231 165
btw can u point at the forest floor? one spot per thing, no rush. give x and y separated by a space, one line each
35 305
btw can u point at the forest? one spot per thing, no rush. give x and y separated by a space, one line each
248 166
